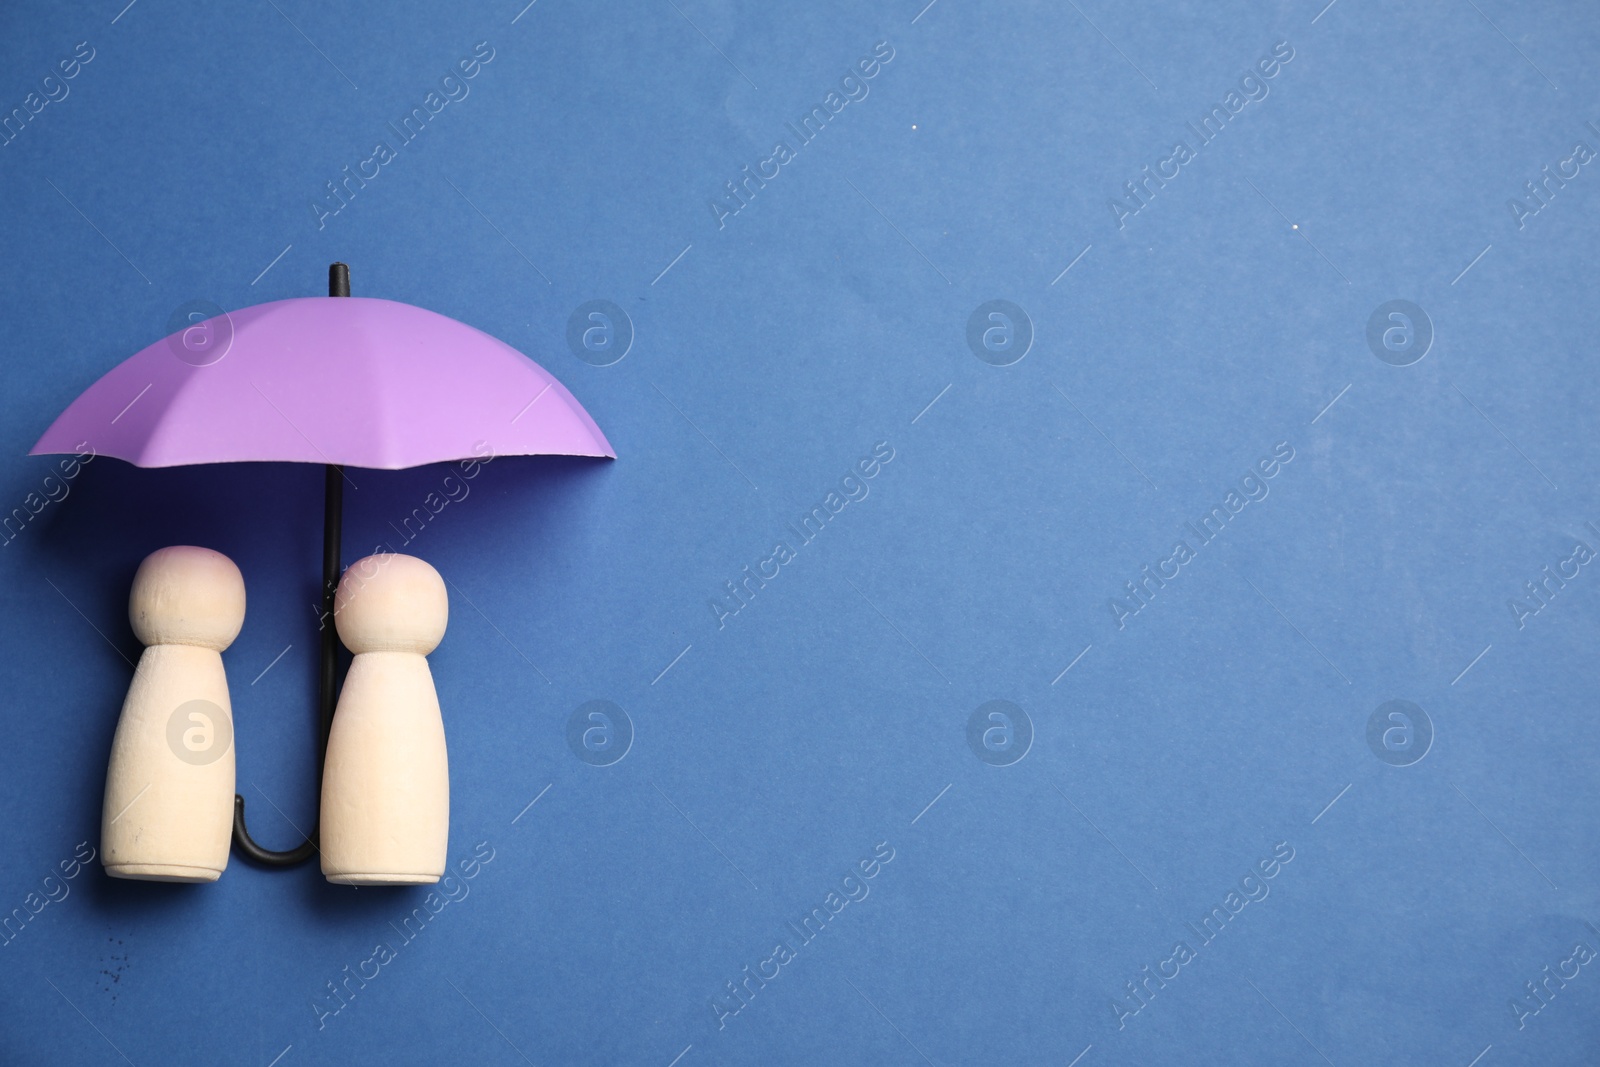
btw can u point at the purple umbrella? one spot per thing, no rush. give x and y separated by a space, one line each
357 382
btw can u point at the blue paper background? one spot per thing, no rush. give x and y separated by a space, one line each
773 752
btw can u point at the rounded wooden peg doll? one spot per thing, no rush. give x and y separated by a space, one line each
168 812
386 779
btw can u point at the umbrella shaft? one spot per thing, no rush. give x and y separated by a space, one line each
332 531
327 691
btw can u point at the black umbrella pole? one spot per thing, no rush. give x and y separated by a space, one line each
332 521
332 530
332 534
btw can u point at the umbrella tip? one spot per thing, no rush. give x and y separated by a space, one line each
338 280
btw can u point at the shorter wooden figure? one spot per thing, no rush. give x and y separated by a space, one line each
386 779
168 814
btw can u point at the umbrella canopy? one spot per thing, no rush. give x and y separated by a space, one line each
357 381
349 381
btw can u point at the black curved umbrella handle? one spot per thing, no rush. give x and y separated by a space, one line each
327 689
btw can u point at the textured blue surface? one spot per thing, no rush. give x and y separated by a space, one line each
1177 753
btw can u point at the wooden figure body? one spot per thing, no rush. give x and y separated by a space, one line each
168 812
386 779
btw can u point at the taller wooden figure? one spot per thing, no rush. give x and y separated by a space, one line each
386 779
168 812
